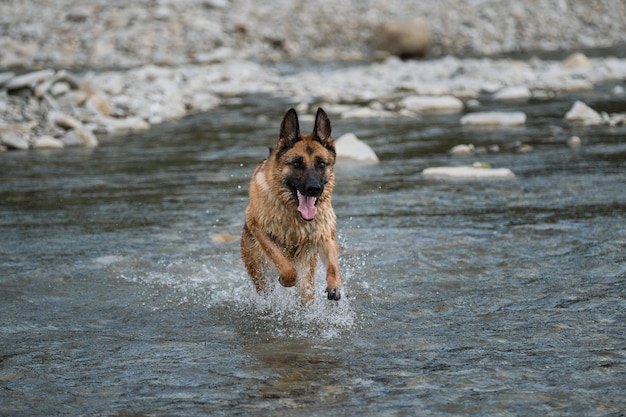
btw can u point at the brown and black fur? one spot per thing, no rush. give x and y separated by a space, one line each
279 235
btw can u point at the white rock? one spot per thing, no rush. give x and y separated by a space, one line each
462 149
57 118
494 119
576 61
112 84
616 119
59 88
28 80
122 125
580 112
574 141
513 93
365 113
468 172
98 104
71 138
14 140
204 102
348 146
221 54
87 139
439 104
47 142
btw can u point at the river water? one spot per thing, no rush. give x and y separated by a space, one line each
122 291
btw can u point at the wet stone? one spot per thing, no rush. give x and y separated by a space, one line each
14 140
71 138
424 104
494 119
580 112
349 146
47 142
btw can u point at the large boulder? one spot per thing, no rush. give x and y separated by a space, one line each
406 39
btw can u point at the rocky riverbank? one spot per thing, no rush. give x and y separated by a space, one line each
157 61
54 109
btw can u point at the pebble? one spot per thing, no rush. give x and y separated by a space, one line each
462 150
71 138
47 142
349 146
574 142
203 102
123 125
435 104
580 112
494 119
13 139
30 79
62 120
365 113
468 172
87 139
513 93
576 61
223 238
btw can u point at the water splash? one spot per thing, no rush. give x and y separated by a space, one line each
221 283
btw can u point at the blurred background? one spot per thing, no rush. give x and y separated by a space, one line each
120 34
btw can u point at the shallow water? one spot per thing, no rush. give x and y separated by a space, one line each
119 296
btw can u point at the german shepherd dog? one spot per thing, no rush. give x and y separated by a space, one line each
290 221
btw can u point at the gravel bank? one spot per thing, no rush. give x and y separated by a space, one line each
156 61
122 34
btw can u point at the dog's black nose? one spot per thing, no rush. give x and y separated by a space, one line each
313 190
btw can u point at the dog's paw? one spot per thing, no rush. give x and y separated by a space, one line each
289 279
333 294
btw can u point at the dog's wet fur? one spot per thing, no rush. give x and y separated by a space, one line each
290 221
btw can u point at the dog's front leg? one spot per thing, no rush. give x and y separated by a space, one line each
286 271
330 258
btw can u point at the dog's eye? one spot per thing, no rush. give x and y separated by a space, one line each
321 164
297 163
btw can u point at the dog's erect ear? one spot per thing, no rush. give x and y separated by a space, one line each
322 129
289 130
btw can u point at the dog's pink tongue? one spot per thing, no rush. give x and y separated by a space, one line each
306 207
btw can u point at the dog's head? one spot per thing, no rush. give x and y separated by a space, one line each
306 162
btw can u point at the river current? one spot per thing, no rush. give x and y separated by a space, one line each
122 291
